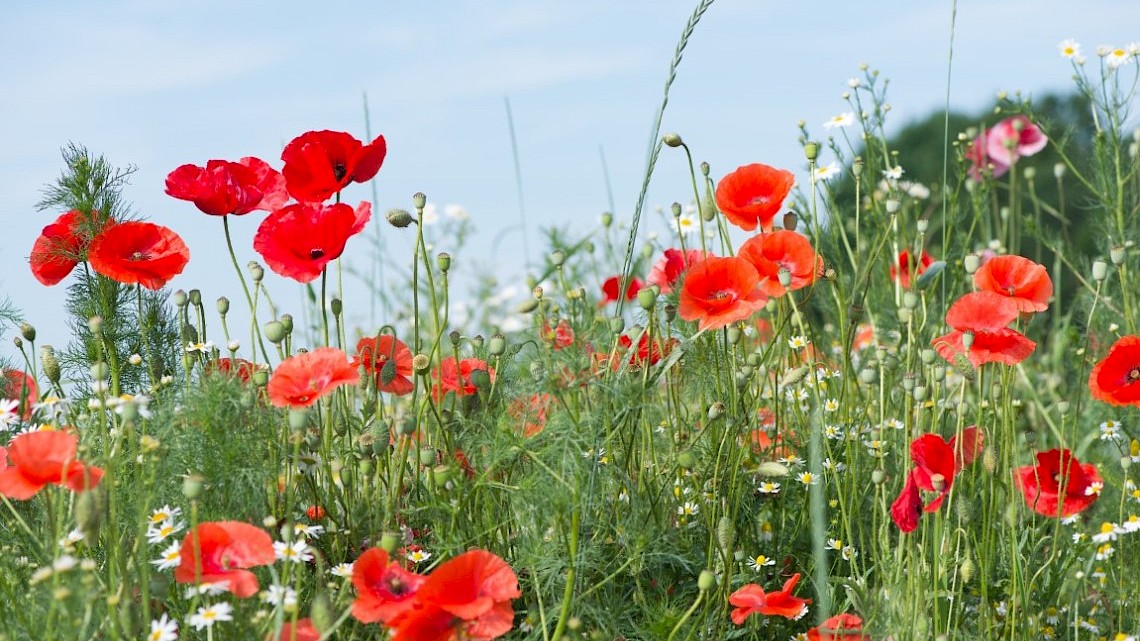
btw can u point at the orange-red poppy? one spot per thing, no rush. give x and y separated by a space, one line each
1116 378
753 194
719 291
751 599
319 164
936 463
221 552
298 241
138 252
1021 280
454 375
303 378
672 265
906 266
841 627
303 631
984 314
62 244
18 386
560 336
611 286
782 249
238 368
1059 485
384 589
530 413
389 360
42 458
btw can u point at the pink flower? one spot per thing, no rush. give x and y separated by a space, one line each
1013 138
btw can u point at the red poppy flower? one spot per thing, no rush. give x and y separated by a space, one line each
937 461
389 360
1013 138
1056 469
980 162
138 252
751 599
42 458
303 631
223 187
985 315
319 164
471 592
61 246
298 240
301 379
560 336
455 376
646 352
1116 378
907 507
782 249
671 266
222 552
530 413
18 386
384 589
905 267
841 627
1021 280
720 291
613 283
238 368
753 194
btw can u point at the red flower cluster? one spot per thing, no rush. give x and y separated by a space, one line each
1116 378
936 463
1059 485
302 379
782 250
560 336
671 266
984 316
467 596
222 187
62 245
222 553
454 375
44 458
530 413
751 599
389 361
752 195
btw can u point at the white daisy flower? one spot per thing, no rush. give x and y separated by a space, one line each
207 616
342 570
308 531
296 551
894 173
807 478
170 557
280 596
1110 431
824 172
688 509
162 531
841 121
1117 57
1069 48
418 556
798 342
760 561
769 487
163 629
165 513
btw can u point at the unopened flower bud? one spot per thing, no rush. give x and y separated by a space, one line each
419 200
647 298
724 533
878 476
28 332
455 338
527 306
971 262
336 306
687 460
223 305
181 298
966 569
443 261
706 581
557 258
321 612
256 271
497 345
274 331
672 140
617 324
195 297
716 410
705 169
607 219
50 363
675 208
791 220
1099 270
989 460
399 218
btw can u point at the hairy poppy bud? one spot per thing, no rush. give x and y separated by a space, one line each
527 306
399 218
321 612
617 323
672 140
724 532
181 298
419 200
686 460
50 363
966 569
28 332
705 169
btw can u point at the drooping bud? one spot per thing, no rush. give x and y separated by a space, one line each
672 140
28 332
399 218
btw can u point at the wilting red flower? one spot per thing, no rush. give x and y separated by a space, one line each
671 266
530 413
222 552
613 283
384 589
238 368
751 599
298 240
1013 138
318 164
61 246
42 458
455 376
841 627
1058 470
19 386
138 252
753 194
301 379
1116 378
471 593
303 631
1021 280
782 249
720 291
985 315
389 360
560 336
906 266
223 187
980 162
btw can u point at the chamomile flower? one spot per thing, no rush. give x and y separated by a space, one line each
163 629
1072 519
165 513
848 552
689 508
798 342
831 405
835 544
135 359
893 423
1052 615
280 596
9 414
767 532
1104 551
1120 636
893 173
792 460
854 83
73 537
1110 431
170 557
841 121
1094 488
686 224
807 478
769 487
163 530
207 616
202 348
418 556
1108 532
308 531
1117 57
1069 48
342 570
824 172
833 466
833 432
208 589
760 561
1131 524
295 551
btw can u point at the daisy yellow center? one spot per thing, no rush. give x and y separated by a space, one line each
1119 53
1069 51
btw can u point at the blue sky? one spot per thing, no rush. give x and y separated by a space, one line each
158 84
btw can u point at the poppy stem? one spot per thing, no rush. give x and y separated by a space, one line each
248 299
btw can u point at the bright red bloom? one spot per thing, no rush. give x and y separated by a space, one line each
753 194
303 631
1021 280
19 386
42 458
937 461
223 552
389 360
647 352
985 315
62 244
301 379
238 368
907 507
1013 138
223 187
319 164
613 283
471 592
455 376
720 291
138 252
530 413
841 627
782 249
298 240
560 336
751 599
1116 378
1056 469
671 266
316 513
906 266
384 589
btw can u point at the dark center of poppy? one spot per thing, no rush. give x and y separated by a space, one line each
339 171
1134 374
394 585
316 253
138 256
759 200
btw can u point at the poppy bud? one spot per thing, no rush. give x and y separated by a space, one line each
706 581
791 220
419 200
336 306
195 297
672 140
28 332
256 271
1063 407
724 532
50 363
399 218
497 346
1116 255
557 258
967 340
971 262
421 363
455 337
878 476
867 376
320 612
89 508
966 569
607 219
260 378
274 331
647 298
527 306
389 541
811 151
287 323
181 299
223 305
686 460
708 210
192 486
716 410
443 261
18 342
705 169
617 323
989 460
735 335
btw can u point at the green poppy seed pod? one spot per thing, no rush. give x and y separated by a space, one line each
195 296
557 258
672 140
791 220
878 476
910 299
192 486
908 381
1125 463
260 378
724 533
647 298
741 379
537 292
481 379
708 210
922 225
287 322
427 456
407 427
497 346
1059 170
904 315
89 512
754 359
868 376
399 218
967 340
670 312
478 341
784 275
336 306
298 419
706 581
687 460
971 262
1030 173
705 169
389 541
939 372
966 569
617 324
28 332
734 335
443 261
607 219
274 331
223 305
181 298
1099 270
527 306
421 363
419 200
716 410
1063 407
320 612
537 371
811 151
676 209
256 271
455 338
100 371
919 393
1116 255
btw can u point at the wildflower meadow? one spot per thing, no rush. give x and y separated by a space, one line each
867 404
